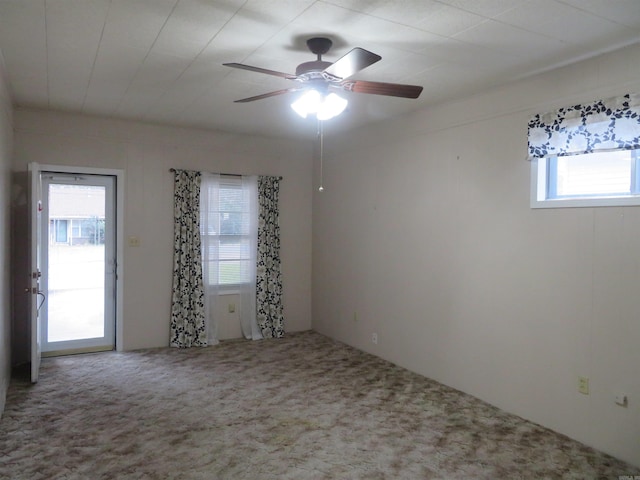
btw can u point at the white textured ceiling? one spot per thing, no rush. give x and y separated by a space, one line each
161 60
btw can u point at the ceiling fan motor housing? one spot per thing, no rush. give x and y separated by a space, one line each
319 45
310 67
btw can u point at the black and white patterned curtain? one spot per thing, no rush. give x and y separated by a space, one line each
612 124
188 327
269 281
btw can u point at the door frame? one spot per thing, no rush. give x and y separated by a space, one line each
107 340
35 194
119 234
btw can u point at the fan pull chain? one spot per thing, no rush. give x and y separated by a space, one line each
321 138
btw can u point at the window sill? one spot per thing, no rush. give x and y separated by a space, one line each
586 202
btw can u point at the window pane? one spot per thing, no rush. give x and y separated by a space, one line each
61 231
594 174
230 272
230 198
229 249
225 232
234 223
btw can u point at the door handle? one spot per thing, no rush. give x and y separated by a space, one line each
44 297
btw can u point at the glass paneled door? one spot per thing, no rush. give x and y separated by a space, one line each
79 263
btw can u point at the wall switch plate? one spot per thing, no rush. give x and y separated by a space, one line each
232 308
583 385
374 338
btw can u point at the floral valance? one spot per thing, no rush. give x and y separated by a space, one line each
612 124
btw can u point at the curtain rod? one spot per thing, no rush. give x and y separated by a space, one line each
172 170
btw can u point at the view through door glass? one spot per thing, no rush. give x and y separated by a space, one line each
79 275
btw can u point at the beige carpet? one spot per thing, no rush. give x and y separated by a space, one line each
303 407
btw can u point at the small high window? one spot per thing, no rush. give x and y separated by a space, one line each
586 155
587 180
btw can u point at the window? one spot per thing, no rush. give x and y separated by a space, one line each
587 180
60 231
586 155
227 210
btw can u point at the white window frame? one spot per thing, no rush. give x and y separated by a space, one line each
540 186
228 288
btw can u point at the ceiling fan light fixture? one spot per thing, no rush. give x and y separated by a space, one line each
325 107
307 103
332 106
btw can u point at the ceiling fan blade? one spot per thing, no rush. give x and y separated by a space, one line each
351 63
379 88
260 70
267 95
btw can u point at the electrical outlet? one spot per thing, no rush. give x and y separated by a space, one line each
583 385
374 338
134 241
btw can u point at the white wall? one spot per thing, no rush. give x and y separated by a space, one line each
424 235
146 153
6 137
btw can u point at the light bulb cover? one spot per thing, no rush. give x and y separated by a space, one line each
325 107
332 106
307 104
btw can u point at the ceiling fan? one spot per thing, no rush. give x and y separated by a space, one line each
325 77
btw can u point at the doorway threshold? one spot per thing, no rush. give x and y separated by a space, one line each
76 351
